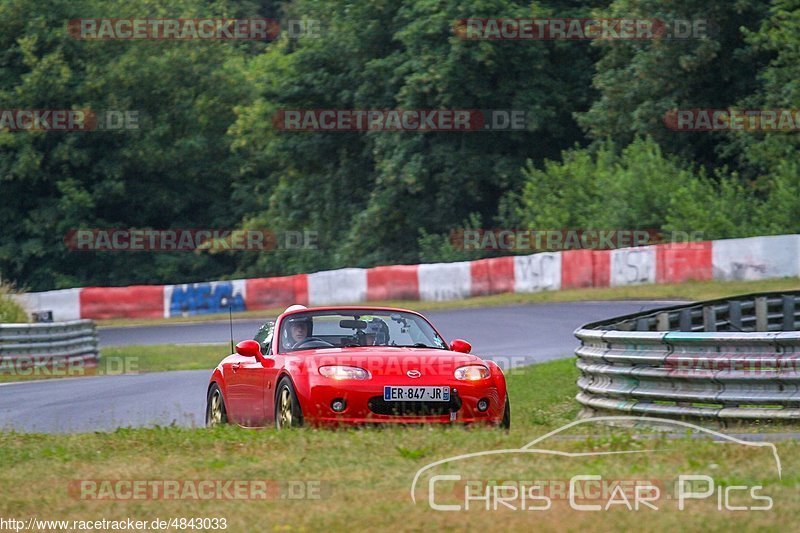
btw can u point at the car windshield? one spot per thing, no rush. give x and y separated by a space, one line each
341 329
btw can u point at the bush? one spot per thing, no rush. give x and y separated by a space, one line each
10 310
639 187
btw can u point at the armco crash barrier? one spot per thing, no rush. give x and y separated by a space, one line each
56 345
722 359
734 259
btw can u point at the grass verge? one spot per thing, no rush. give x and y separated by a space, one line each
691 290
361 479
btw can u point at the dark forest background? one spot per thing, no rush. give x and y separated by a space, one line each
597 154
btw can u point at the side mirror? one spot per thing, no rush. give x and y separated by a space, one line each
249 348
459 345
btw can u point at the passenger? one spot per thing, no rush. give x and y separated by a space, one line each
376 333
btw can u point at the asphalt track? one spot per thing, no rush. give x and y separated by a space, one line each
510 335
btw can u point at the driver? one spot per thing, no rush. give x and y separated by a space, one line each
296 330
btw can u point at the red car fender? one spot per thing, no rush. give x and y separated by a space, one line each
218 378
498 377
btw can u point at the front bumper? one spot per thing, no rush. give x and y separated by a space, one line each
365 405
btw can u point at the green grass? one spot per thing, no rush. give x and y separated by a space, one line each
163 357
692 290
364 476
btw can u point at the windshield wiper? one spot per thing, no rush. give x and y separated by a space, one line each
416 345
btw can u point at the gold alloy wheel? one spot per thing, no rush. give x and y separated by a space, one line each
215 411
285 408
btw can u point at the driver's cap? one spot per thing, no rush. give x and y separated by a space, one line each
295 307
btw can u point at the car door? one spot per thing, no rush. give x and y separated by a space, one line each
250 377
245 391
234 400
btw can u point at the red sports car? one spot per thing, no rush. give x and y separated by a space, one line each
332 366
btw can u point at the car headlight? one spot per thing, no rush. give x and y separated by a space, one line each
344 372
471 373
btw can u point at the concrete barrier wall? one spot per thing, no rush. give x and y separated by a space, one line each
344 286
756 258
733 259
537 272
633 266
65 304
445 281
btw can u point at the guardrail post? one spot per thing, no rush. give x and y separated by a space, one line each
662 322
788 312
735 315
685 320
709 318
761 314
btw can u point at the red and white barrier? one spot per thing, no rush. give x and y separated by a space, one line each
537 272
344 286
733 259
492 276
676 263
138 301
397 282
266 293
445 281
633 266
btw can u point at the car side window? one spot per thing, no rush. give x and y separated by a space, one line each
264 336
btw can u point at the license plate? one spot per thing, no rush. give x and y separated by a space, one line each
416 394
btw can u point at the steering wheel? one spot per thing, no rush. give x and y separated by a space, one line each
309 340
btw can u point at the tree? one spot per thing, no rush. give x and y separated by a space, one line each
371 196
174 171
640 81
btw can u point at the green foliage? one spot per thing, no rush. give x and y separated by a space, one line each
716 208
602 188
596 155
641 188
174 171
370 196
639 81
10 311
773 153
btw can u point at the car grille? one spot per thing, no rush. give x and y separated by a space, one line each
379 406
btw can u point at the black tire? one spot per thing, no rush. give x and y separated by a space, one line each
216 413
288 413
506 423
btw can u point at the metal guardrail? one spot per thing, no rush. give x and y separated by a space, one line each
59 343
735 358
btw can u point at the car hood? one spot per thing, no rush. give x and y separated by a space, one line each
383 360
